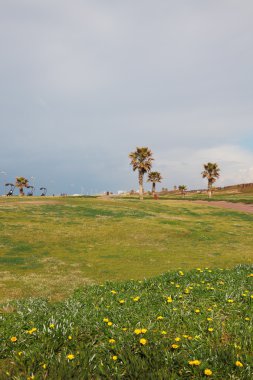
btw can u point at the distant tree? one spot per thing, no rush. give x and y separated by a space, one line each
182 189
154 177
21 182
141 160
211 172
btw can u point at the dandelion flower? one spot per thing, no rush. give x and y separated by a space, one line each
169 299
175 346
177 339
210 329
51 326
143 341
69 337
106 320
13 339
194 362
112 341
238 364
159 318
230 301
70 356
109 323
197 311
181 273
114 357
143 331
135 299
113 292
208 372
122 301
137 331
247 319
163 332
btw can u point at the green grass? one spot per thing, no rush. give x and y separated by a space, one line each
206 314
59 241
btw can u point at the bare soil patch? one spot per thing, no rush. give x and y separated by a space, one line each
229 205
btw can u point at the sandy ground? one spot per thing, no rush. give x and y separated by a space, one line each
230 205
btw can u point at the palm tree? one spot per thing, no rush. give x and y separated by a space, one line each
154 177
141 160
211 172
21 182
182 189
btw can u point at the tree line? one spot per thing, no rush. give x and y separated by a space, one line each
142 159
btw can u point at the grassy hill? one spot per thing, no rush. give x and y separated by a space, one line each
193 325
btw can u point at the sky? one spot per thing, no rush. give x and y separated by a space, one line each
84 82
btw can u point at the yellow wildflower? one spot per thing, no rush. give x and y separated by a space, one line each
109 323
181 273
137 331
122 301
112 341
159 318
238 364
177 339
143 341
69 337
114 357
106 320
208 372
175 346
194 362
210 329
230 301
163 332
44 366
197 311
143 331
135 299
169 299
113 292
70 356
13 339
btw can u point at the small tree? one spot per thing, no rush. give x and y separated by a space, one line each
211 172
141 160
154 177
21 182
182 189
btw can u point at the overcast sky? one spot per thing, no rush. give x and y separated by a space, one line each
82 83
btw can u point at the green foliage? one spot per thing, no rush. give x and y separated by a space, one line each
175 326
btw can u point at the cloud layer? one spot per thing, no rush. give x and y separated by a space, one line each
85 82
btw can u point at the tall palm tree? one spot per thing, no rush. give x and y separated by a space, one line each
211 172
21 182
141 160
182 189
154 177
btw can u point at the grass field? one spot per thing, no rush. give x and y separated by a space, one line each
181 325
192 322
50 247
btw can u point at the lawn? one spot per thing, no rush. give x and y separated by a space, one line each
51 246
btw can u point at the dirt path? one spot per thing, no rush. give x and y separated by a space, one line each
230 205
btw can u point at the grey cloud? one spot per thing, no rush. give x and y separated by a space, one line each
84 82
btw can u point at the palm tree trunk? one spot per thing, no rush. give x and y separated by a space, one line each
21 191
153 188
141 185
209 189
